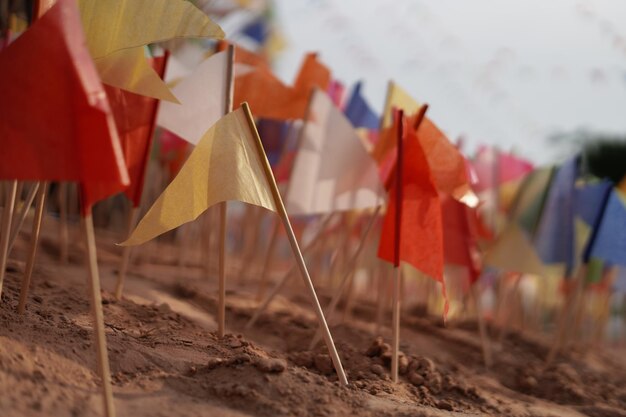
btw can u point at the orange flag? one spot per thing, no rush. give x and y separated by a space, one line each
56 121
135 120
446 162
420 242
269 96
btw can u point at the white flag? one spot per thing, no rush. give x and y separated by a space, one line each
332 170
202 97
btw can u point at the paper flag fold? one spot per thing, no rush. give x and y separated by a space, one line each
332 170
224 165
56 121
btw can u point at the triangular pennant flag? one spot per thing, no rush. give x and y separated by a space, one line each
223 166
398 98
421 240
202 97
57 124
588 200
554 239
359 112
116 31
272 99
609 240
513 252
494 168
530 200
114 25
332 170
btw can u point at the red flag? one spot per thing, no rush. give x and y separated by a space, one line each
135 120
420 239
56 122
459 242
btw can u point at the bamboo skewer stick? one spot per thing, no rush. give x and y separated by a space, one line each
7 215
21 217
296 250
349 273
98 317
121 277
34 241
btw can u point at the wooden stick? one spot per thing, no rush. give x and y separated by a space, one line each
349 273
332 350
279 286
380 296
98 317
395 346
508 307
15 230
7 215
221 311
263 280
395 343
484 337
228 107
121 277
63 231
34 240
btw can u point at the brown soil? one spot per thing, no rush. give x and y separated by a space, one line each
167 361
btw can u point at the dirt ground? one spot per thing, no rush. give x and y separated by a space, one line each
167 361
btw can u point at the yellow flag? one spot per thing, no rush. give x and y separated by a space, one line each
225 165
112 25
117 29
128 69
513 252
397 97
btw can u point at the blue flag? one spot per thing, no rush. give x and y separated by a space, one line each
609 239
359 112
554 240
589 200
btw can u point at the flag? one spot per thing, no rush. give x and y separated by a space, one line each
359 112
117 31
271 98
421 239
225 165
332 171
135 120
589 198
56 122
513 252
273 134
608 241
528 205
448 166
494 168
554 239
202 97
398 98
459 243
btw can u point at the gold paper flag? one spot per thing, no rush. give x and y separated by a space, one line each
224 166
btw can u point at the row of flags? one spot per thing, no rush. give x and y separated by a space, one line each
81 96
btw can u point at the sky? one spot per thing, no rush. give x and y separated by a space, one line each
499 72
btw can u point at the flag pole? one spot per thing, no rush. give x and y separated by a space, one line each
397 275
7 215
332 306
278 287
98 316
296 249
62 195
274 238
34 241
16 227
228 107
